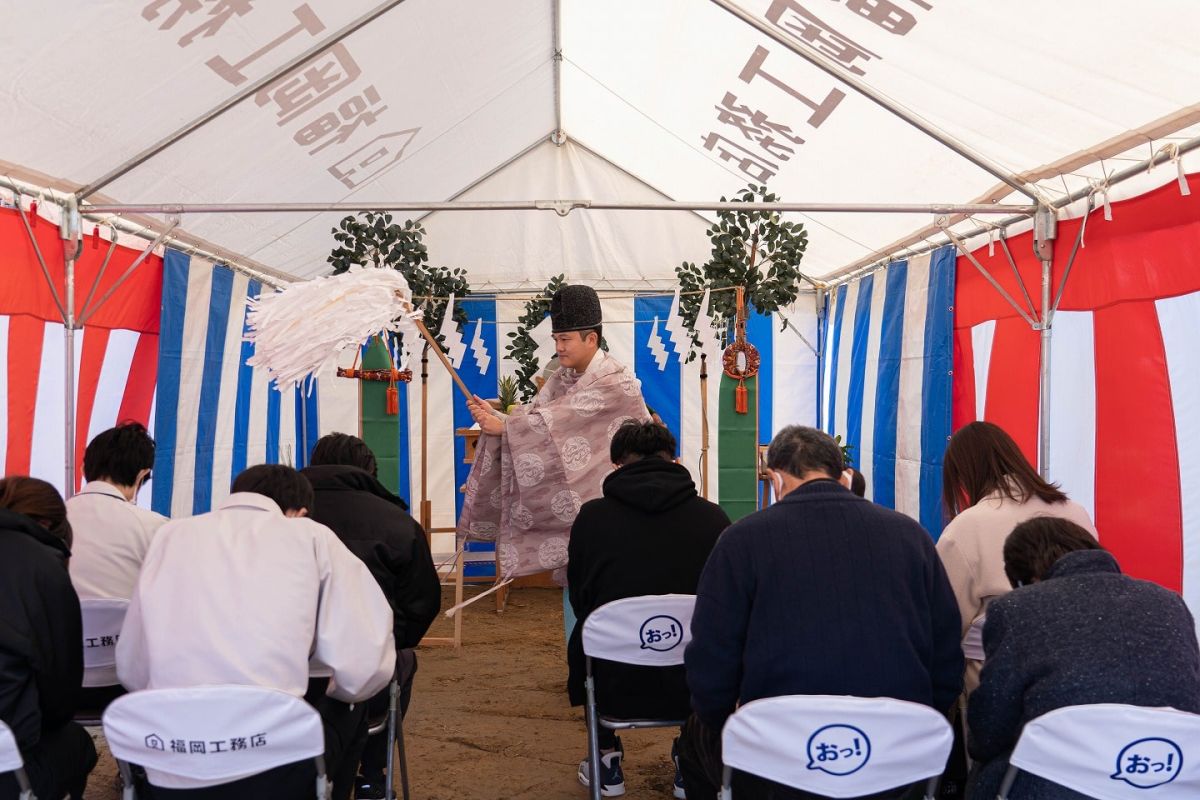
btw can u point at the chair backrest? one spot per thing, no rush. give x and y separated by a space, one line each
837 746
10 754
209 735
102 621
972 643
651 630
1113 752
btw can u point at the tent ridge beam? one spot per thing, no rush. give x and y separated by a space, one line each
558 136
215 112
514 158
831 67
562 207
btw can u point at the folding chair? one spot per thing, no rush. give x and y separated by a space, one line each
1112 751
102 621
650 631
392 724
853 746
212 735
11 761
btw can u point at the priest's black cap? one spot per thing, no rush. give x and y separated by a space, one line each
574 308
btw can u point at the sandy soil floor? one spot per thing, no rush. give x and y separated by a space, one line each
492 721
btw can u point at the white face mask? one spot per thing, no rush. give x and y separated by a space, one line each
777 483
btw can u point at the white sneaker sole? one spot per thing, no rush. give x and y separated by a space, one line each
606 790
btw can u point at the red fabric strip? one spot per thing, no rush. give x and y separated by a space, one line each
962 398
95 344
1138 505
139 388
1012 388
24 365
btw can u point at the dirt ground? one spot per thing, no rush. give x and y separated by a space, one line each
492 721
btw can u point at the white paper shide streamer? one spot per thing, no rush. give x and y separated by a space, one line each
657 349
543 336
483 358
710 342
302 328
677 331
456 348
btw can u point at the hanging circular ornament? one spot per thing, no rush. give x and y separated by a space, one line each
741 360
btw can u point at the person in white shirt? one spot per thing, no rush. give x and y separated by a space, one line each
112 533
255 594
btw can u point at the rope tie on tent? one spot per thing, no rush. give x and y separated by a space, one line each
1173 149
1101 188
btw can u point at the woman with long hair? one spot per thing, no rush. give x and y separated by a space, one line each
988 488
41 641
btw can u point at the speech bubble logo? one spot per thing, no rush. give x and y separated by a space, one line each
1149 762
661 633
838 750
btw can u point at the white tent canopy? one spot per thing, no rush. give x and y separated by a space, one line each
428 102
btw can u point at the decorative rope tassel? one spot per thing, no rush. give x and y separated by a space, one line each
393 401
741 398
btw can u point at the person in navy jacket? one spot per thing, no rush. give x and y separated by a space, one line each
822 593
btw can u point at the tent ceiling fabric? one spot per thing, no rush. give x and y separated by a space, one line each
429 97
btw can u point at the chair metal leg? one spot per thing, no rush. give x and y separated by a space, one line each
403 758
593 734
389 791
324 789
24 785
931 788
127 788
726 783
1007 783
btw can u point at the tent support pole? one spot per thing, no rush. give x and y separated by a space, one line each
1012 262
1045 231
249 91
37 251
72 247
559 136
88 313
112 248
831 67
962 249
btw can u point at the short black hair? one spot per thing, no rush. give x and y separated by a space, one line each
345 450
798 450
119 454
287 487
858 482
635 440
1034 545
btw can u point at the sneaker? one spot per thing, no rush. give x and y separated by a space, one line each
369 788
677 788
612 779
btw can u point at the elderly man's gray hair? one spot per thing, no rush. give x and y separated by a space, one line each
798 450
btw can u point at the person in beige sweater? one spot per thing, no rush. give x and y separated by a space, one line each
988 488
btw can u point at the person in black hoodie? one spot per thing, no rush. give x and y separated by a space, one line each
41 641
375 525
650 534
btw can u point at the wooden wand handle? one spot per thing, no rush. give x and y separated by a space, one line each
462 387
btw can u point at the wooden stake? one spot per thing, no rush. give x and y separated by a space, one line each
425 441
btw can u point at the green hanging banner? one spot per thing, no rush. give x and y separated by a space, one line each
737 450
379 429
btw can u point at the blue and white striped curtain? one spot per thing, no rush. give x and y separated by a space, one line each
215 415
886 379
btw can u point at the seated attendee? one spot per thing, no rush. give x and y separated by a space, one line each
649 534
374 524
1078 632
988 487
112 533
254 594
41 641
821 593
858 482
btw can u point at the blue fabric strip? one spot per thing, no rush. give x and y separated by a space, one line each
210 386
887 386
760 332
835 349
936 385
273 399
858 366
245 379
170 357
660 389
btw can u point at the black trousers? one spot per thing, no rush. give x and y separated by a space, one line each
700 763
57 766
374 756
345 735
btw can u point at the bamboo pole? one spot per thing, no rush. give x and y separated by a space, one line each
462 387
704 425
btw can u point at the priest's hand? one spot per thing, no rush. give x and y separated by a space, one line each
483 414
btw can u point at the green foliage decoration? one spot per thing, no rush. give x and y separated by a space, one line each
522 347
756 250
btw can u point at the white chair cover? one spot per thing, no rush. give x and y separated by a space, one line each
972 643
837 746
102 621
209 735
651 630
1115 752
10 754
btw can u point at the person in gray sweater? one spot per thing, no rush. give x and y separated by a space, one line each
1075 632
